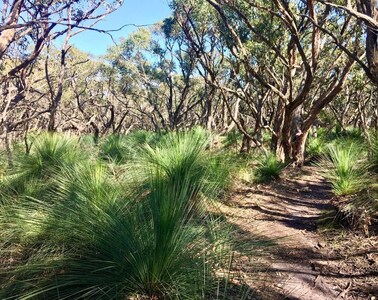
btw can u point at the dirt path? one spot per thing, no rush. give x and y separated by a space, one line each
301 263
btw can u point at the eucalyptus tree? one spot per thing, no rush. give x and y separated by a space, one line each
98 105
366 12
81 88
209 103
222 74
87 102
26 28
156 75
356 106
276 50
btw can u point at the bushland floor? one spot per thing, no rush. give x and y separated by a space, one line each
300 259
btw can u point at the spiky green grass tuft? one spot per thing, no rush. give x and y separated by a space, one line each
98 240
315 147
268 168
95 243
373 153
33 174
123 148
184 155
114 148
345 169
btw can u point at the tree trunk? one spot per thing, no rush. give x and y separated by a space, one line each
286 136
209 114
246 144
299 148
315 129
225 118
7 36
8 148
276 142
370 8
51 123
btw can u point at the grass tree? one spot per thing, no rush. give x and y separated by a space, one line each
373 153
345 168
268 167
33 173
98 240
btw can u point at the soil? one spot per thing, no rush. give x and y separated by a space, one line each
286 252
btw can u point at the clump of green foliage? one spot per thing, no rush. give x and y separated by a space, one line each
232 140
339 136
184 154
90 237
121 148
359 209
268 167
351 133
373 153
34 173
315 147
219 174
3 164
348 167
114 148
96 243
344 168
49 153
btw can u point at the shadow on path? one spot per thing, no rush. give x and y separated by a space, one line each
276 225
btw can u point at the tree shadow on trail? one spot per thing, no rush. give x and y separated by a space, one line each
268 254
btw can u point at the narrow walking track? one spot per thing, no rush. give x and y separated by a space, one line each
300 263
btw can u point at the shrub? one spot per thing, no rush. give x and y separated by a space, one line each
268 167
33 173
315 147
360 209
96 240
346 136
373 153
122 148
352 133
114 148
343 167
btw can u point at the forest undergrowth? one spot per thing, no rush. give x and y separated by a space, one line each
137 216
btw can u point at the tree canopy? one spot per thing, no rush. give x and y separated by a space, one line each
276 68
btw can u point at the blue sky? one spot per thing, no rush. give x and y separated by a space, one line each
137 12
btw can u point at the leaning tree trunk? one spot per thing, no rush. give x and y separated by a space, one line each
370 8
299 148
209 115
276 142
286 142
246 144
318 105
7 143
